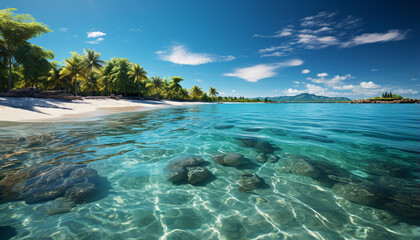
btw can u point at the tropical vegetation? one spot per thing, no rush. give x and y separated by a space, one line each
23 64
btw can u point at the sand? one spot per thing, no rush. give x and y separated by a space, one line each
42 109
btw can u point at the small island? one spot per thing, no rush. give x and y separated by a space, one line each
387 97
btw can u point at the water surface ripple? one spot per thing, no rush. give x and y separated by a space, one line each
132 149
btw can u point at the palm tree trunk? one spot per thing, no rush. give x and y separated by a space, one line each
90 79
75 84
138 83
9 85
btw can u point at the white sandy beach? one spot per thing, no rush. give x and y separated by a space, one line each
42 109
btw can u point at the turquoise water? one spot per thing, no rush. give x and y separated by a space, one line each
132 149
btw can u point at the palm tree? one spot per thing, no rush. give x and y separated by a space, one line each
105 79
73 67
54 79
183 93
174 84
138 74
92 62
157 84
196 92
213 92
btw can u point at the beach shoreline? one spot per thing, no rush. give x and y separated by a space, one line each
27 109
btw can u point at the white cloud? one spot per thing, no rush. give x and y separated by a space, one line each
313 41
276 90
181 55
63 29
296 82
391 35
374 69
306 71
95 34
274 54
322 19
198 80
261 71
414 79
330 82
325 29
292 92
96 41
344 87
277 51
405 91
369 84
287 31
284 32
234 91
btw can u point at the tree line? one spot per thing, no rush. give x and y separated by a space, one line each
23 64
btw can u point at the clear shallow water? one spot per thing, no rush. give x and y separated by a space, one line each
131 150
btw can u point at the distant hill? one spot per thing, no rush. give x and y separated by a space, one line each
306 97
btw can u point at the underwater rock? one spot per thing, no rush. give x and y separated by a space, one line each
299 165
197 174
249 182
232 228
388 169
7 232
251 129
262 158
59 205
187 161
272 158
362 193
221 127
229 159
186 168
79 183
176 173
403 195
259 144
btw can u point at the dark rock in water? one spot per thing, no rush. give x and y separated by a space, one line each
362 193
230 159
403 195
299 165
224 127
251 129
187 161
388 169
262 158
7 232
197 174
59 205
232 228
249 182
318 138
176 173
258 144
186 168
272 158
77 182
278 132
81 192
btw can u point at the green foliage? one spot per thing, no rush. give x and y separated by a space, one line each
388 96
15 31
196 93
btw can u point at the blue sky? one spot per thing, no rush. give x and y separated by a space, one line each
247 48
